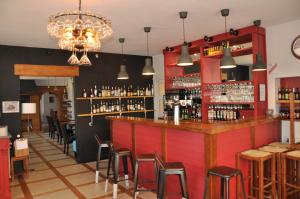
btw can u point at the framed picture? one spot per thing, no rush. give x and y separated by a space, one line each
10 107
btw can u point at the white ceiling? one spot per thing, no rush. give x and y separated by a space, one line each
23 22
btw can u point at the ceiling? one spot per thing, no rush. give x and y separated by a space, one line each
23 22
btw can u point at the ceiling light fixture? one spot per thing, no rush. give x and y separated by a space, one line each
185 58
259 64
227 61
123 73
79 31
148 68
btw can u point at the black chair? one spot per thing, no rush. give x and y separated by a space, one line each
101 144
51 126
68 138
225 173
59 131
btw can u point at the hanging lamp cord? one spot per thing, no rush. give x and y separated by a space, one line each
147 44
183 29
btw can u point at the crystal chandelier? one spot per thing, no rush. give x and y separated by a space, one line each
79 31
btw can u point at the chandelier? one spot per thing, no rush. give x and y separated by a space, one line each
79 31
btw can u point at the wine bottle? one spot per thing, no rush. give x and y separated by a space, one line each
95 91
91 93
84 93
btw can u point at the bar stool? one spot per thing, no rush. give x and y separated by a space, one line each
225 173
101 144
114 159
142 159
280 144
292 184
257 161
172 168
277 151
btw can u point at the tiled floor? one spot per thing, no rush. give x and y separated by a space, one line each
56 175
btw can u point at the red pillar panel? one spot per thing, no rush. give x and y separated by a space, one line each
188 148
4 169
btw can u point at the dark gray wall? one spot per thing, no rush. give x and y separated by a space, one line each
103 72
27 86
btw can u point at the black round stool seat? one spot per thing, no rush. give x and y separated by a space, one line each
122 151
170 166
224 171
146 157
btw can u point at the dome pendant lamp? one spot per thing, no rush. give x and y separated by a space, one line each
259 64
227 61
185 58
123 73
148 68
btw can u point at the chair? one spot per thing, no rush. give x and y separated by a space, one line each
51 126
59 131
68 138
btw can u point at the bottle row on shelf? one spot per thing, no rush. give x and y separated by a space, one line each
190 112
115 106
284 113
284 93
231 92
226 112
190 93
118 91
219 49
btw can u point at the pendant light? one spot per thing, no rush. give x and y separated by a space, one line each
123 73
185 58
227 61
148 68
259 64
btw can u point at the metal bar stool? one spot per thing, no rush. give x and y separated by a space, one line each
114 159
101 144
257 160
171 168
277 151
142 159
291 185
225 173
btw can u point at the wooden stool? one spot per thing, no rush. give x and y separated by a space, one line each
257 159
293 182
280 144
277 151
25 160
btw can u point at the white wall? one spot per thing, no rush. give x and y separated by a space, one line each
46 106
279 39
159 84
70 90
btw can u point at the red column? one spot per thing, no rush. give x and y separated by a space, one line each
4 169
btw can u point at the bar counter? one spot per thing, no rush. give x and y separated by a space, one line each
199 146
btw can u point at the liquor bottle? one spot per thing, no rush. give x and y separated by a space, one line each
99 93
101 107
286 94
91 93
95 91
84 93
279 94
94 108
118 106
102 91
98 108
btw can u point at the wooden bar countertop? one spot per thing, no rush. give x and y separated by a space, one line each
215 127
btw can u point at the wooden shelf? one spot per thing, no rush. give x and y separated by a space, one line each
239 52
287 101
108 98
113 113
